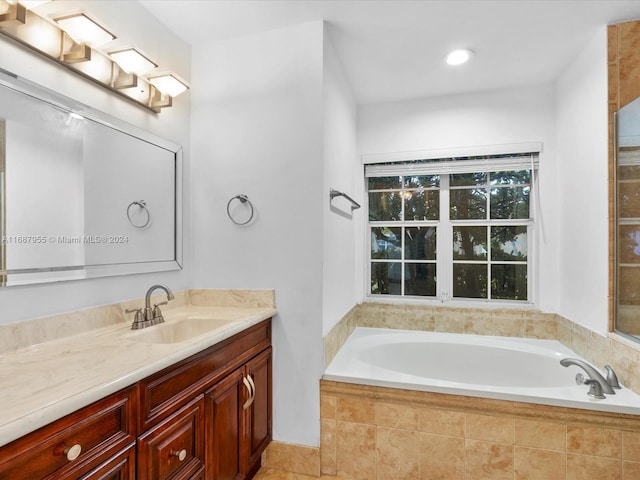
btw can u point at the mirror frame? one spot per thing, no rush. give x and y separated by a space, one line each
82 272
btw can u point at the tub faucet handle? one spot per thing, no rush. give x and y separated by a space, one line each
595 389
612 378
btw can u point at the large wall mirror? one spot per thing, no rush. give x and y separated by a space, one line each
82 194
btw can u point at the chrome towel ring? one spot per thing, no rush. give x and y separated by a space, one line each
143 205
243 200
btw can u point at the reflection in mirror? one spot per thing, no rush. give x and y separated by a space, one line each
627 306
82 194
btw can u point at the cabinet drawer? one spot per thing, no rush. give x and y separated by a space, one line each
174 448
71 446
121 467
172 387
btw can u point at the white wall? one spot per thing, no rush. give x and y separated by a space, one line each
583 186
129 20
342 172
257 129
484 118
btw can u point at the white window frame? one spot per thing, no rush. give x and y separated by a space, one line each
445 162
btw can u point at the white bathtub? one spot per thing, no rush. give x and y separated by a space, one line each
517 369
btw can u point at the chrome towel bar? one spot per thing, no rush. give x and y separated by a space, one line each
336 193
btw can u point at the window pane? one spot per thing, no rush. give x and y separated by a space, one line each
422 205
470 243
420 243
509 282
510 202
386 242
629 243
510 178
509 243
468 203
385 278
420 279
385 206
384 183
469 280
422 181
467 179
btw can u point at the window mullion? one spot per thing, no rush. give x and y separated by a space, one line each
444 257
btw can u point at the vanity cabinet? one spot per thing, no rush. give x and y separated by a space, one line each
94 442
207 417
239 420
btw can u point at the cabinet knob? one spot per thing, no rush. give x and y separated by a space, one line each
182 454
73 452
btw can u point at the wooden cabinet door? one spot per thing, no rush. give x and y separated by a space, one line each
259 414
173 449
224 426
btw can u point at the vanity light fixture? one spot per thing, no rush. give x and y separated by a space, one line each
458 57
169 84
77 41
84 29
29 4
132 61
12 14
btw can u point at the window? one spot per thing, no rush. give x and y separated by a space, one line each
451 228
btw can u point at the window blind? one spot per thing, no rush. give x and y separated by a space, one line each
494 163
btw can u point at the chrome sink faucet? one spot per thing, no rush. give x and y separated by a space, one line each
154 315
150 316
598 384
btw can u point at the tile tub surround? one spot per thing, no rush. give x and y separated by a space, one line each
377 433
48 379
622 354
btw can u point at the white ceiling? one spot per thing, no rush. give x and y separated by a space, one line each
394 50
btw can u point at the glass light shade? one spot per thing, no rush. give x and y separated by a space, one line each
84 30
458 57
132 61
168 84
29 4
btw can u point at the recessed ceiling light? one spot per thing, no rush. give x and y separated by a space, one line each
458 57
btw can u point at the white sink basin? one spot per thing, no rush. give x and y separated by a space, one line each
178 331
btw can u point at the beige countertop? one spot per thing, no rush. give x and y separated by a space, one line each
44 382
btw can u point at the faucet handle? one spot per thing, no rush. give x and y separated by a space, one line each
595 389
612 378
138 319
157 314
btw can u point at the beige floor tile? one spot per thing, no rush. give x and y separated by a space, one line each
272 474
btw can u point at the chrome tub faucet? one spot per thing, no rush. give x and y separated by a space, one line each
597 383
